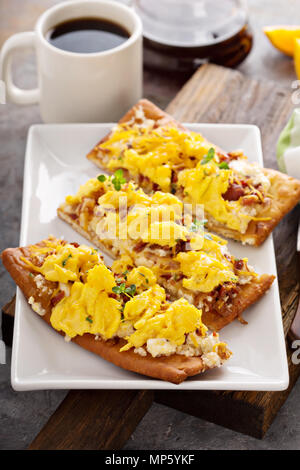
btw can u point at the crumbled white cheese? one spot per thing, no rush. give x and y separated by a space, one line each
188 350
64 288
67 338
36 306
253 171
140 351
206 344
160 347
211 359
245 279
125 329
140 115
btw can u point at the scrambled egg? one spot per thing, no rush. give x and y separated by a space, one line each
90 304
67 263
91 186
203 272
179 319
154 153
88 308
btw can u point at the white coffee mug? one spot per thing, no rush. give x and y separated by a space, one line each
77 87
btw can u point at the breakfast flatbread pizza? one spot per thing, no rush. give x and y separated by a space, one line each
138 229
242 200
123 317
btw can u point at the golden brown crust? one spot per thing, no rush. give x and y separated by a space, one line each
151 112
285 190
248 294
175 368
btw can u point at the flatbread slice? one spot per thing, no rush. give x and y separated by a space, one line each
178 268
251 200
44 296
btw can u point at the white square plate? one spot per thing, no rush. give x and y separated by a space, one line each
55 166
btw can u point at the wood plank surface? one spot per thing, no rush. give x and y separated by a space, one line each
94 420
91 419
216 94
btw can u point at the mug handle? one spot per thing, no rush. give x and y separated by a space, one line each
14 93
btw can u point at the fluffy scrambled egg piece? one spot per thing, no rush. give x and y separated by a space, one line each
153 152
67 263
88 308
203 272
205 185
173 324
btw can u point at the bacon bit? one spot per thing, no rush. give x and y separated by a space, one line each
249 200
180 246
75 244
112 295
57 298
167 276
214 334
223 157
139 246
234 192
155 246
73 216
155 187
235 155
174 177
239 264
103 149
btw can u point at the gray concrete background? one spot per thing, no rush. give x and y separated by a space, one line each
23 414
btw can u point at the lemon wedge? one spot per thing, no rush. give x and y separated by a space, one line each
283 37
297 57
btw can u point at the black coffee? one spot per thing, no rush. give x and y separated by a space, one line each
87 35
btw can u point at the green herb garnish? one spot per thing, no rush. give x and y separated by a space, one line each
224 166
173 188
64 262
210 155
101 178
89 319
121 289
118 179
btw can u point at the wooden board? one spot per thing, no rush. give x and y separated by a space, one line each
213 94
216 94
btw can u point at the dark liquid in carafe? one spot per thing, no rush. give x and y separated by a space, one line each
87 35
